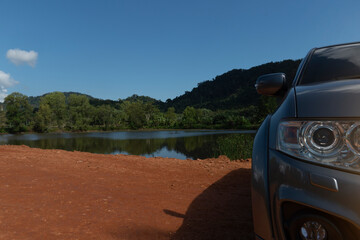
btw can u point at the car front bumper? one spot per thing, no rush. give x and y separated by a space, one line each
327 190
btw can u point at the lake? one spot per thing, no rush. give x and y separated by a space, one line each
181 144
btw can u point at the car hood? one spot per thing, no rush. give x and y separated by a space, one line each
331 99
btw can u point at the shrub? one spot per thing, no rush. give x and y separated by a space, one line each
236 146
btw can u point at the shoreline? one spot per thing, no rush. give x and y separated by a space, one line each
130 130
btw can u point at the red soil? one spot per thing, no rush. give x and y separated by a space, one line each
56 194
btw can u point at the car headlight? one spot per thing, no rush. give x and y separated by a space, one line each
334 143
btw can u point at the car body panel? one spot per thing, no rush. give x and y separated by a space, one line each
260 188
286 110
265 140
330 99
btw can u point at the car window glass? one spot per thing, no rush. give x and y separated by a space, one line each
332 64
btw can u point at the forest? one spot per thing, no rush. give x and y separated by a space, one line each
228 101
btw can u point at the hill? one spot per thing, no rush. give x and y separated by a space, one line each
232 90
35 101
145 99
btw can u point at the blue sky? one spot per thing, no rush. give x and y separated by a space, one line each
113 49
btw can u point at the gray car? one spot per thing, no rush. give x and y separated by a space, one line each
306 156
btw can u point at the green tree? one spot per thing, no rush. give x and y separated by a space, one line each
106 117
154 118
136 114
206 117
266 106
190 117
170 117
243 122
2 118
43 118
18 112
80 111
57 104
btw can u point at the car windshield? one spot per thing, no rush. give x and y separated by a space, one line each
333 64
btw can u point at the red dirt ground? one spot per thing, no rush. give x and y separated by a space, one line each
56 194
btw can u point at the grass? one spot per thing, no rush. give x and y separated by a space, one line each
236 146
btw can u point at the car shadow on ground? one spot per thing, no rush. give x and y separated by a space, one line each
222 211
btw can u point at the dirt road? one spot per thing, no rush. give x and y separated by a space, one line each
56 194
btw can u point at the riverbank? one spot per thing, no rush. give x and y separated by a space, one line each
246 130
57 194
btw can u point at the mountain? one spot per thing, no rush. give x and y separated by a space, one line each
232 90
35 101
145 99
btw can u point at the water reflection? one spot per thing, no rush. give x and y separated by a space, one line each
175 144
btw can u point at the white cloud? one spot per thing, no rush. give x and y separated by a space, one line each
5 81
20 57
3 94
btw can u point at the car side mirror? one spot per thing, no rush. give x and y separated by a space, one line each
273 84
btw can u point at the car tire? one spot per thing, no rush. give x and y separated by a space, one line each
311 225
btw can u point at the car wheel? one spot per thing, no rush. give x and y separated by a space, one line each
313 227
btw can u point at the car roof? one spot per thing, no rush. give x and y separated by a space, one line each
337 45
